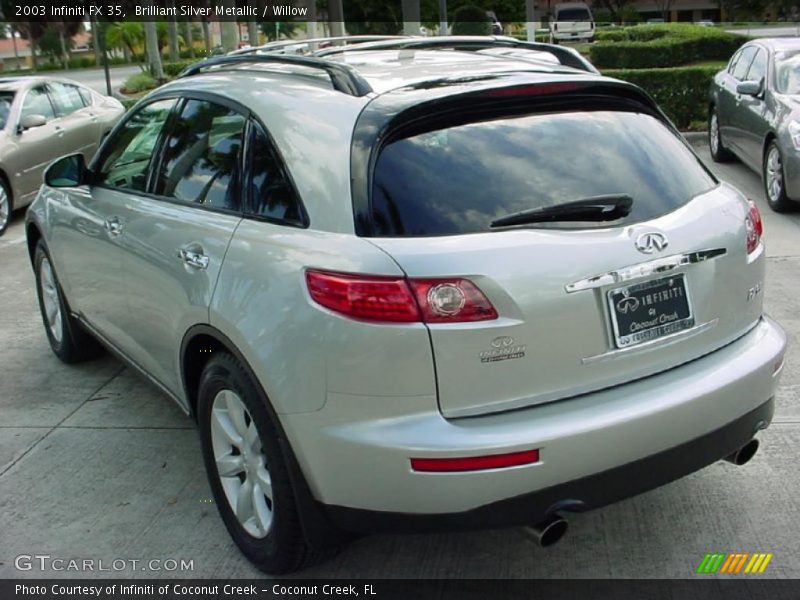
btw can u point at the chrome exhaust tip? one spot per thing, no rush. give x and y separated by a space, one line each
743 454
548 532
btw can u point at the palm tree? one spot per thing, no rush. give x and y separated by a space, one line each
153 52
125 35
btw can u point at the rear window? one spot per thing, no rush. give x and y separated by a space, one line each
574 14
459 179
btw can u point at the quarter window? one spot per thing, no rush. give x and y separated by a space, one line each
202 156
743 63
130 152
67 98
758 69
272 194
37 102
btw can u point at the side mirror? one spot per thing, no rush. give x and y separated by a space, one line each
69 171
31 121
749 88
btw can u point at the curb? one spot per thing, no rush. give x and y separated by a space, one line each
695 136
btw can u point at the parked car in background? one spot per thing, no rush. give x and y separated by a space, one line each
42 119
572 21
754 114
405 286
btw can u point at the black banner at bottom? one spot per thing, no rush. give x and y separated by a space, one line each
380 589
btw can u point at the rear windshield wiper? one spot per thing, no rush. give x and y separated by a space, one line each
609 207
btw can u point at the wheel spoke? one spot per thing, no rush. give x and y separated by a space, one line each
220 420
236 413
251 439
264 482
244 502
230 465
263 515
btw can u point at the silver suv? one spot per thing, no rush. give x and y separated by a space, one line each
412 285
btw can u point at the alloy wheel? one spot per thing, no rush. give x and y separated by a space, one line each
50 300
774 174
5 208
241 464
713 133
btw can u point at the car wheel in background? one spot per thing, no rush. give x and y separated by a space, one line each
773 180
67 338
6 206
718 151
247 469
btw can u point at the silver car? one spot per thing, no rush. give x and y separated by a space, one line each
754 114
406 285
42 119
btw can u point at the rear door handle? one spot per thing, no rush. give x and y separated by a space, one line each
193 257
113 226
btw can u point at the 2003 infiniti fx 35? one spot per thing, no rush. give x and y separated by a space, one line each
411 285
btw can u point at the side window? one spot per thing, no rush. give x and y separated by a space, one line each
758 69
86 95
37 102
740 70
202 156
271 193
67 98
732 63
129 153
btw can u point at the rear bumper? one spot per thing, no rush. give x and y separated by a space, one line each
581 494
594 449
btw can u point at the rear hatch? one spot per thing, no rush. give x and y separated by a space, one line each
582 305
573 20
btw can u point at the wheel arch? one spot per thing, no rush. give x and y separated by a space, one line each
198 346
32 236
771 135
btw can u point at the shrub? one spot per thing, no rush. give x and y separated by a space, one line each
681 92
141 82
651 46
471 20
172 69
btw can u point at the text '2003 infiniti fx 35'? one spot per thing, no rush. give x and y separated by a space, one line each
461 289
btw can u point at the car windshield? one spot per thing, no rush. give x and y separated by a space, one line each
787 72
460 179
6 98
574 14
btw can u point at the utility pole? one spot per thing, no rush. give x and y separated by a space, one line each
530 17
442 17
411 22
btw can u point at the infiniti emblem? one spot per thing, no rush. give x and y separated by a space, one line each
628 304
651 242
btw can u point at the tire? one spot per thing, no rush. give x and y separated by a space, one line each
6 206
774 183
238 433
68 340
719 153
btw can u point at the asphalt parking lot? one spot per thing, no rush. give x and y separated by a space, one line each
96 464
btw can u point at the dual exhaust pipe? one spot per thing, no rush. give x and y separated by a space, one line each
552 529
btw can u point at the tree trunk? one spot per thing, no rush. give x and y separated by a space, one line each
64 54
189 35
172 27
252 33
230 36
153 55
207 36
411 22
336 17
14 43
34 59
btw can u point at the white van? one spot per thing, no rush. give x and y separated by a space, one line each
571 21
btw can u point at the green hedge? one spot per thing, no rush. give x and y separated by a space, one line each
667 45
172 69
681 92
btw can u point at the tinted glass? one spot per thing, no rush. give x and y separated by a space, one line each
743 64
574 14
6 99
67 98
458 180
37 102
202 156
129 153
758 68
787 72
272 193
86 95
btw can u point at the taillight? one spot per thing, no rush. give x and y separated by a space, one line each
754 228
400 300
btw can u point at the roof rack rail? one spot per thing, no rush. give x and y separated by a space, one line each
279 45
566 56
344 78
